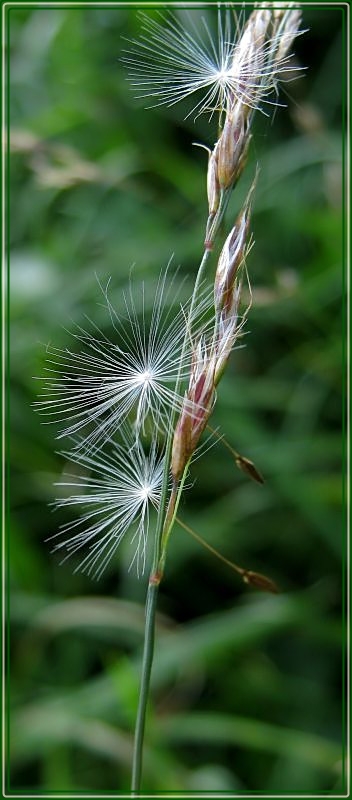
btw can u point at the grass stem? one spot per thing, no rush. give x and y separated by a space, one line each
159 551
148 650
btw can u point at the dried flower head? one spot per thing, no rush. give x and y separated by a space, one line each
169 63
94 389
114 492
233 254
197 407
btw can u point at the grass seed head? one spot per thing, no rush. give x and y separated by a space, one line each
169 63
113 492
232 147
197 407
131 373
232 256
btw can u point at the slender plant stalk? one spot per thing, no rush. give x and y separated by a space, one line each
161 539
240 570
152 593
225 165
102 387
149 637
248 576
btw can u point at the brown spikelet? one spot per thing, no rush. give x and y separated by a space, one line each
260 582
249 468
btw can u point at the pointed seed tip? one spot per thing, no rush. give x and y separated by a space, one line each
261 582
247 466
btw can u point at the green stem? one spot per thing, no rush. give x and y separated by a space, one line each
173 508
149 636
160 543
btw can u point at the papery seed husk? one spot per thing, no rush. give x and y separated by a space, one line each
249 468
231 147
260 582
213 188
181 447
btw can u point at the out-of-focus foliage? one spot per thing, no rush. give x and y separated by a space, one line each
246 688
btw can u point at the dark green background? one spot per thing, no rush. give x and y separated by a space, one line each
247 687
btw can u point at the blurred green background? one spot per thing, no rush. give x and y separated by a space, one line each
246 687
